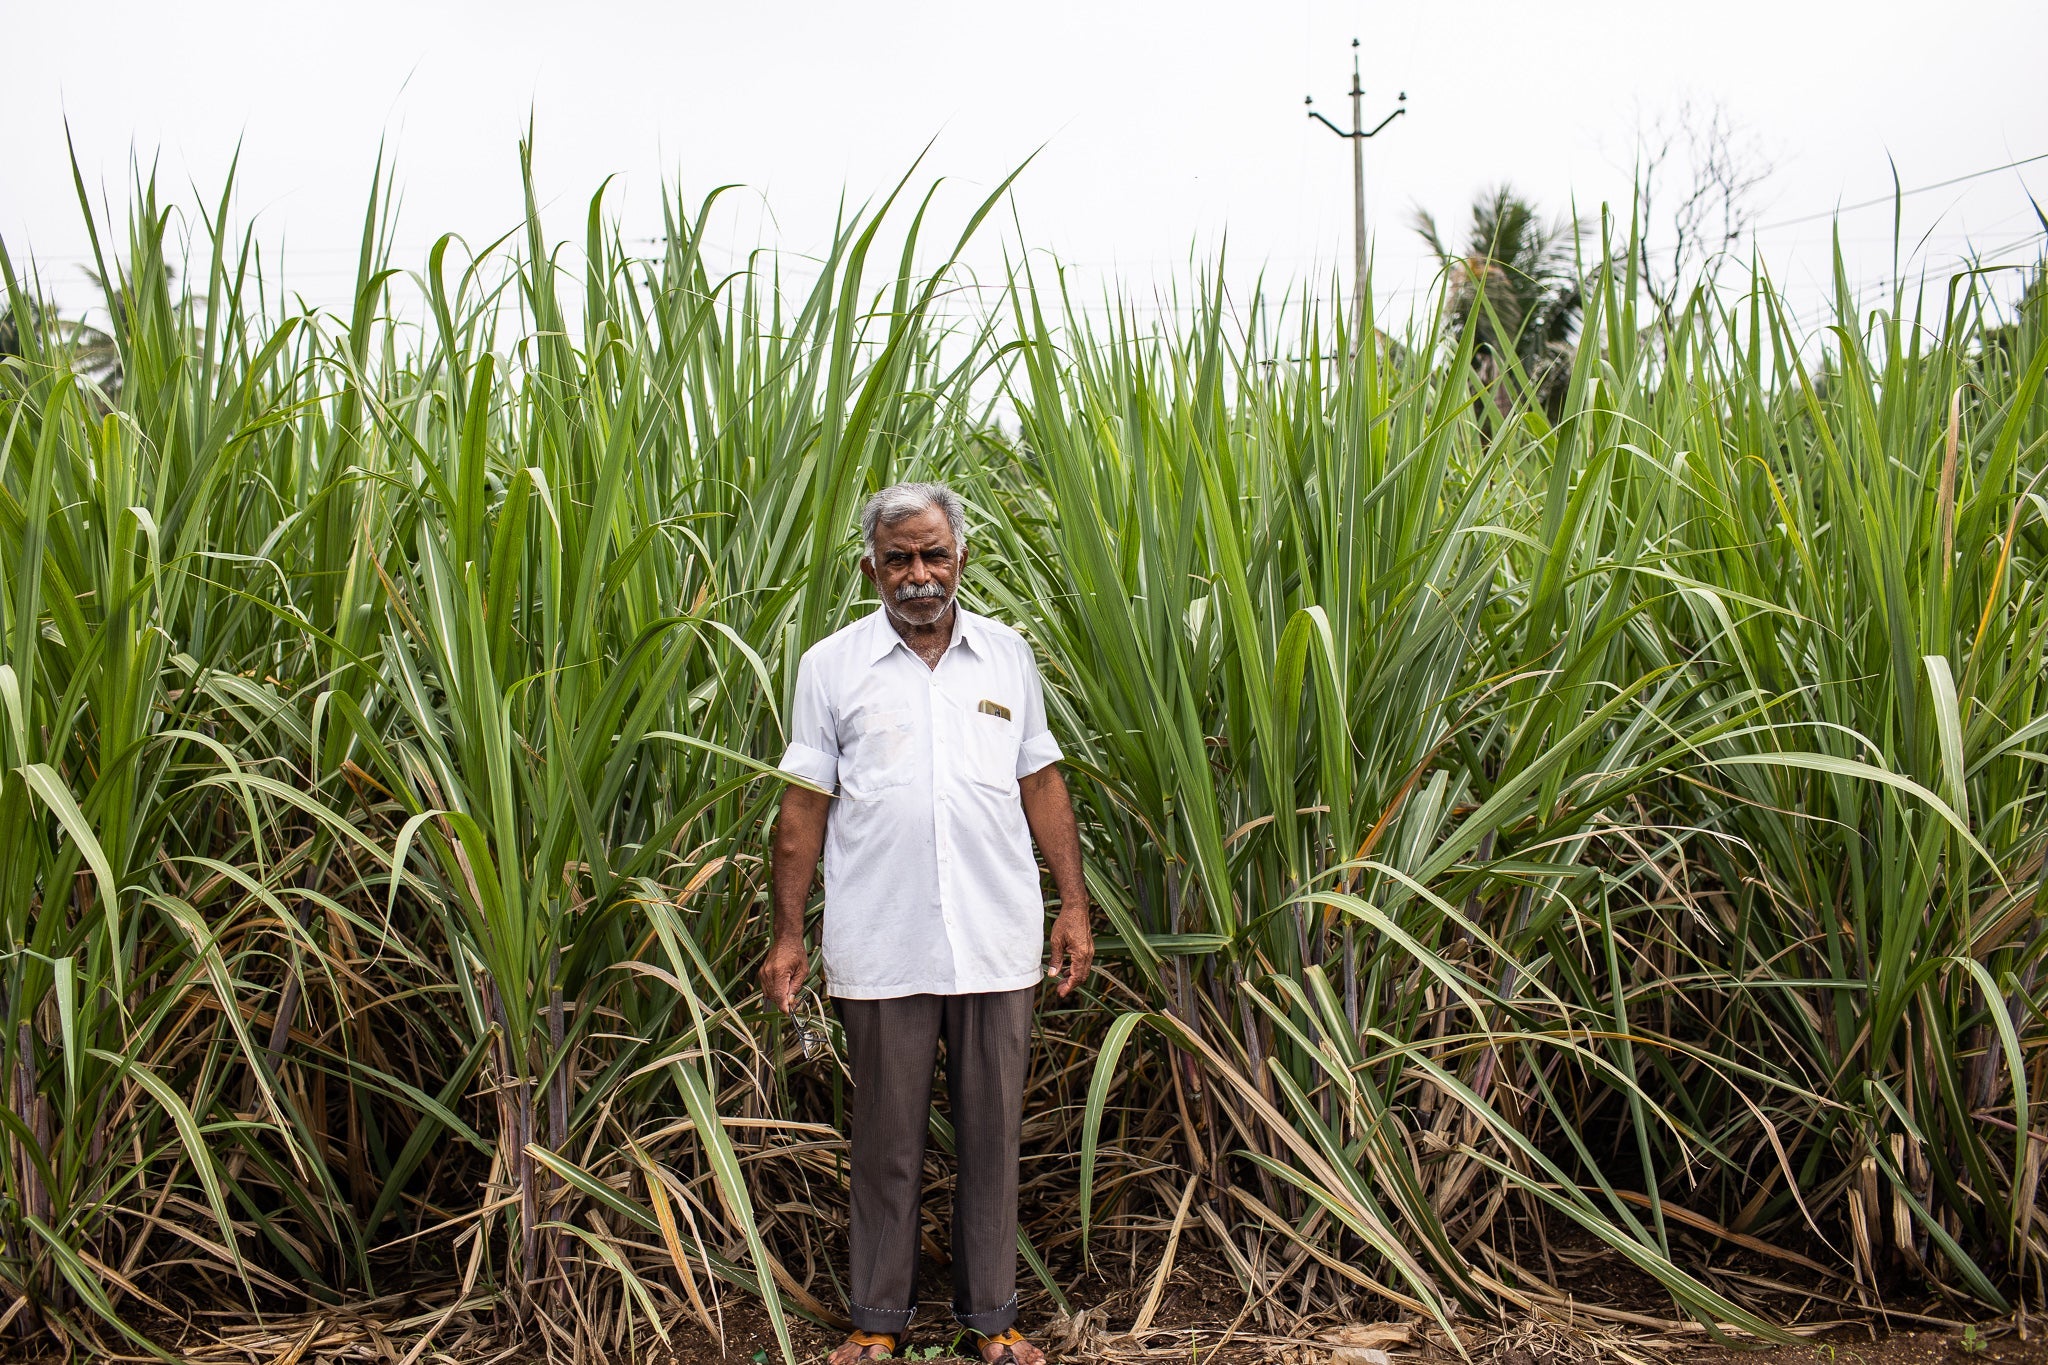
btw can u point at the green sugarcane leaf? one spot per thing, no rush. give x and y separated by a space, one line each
1091 1118
1849 767
43 780
197 1151
592 1187
732 1188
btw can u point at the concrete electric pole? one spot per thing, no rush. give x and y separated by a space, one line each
1358 134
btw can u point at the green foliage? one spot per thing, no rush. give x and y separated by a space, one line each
1624 811
1518 284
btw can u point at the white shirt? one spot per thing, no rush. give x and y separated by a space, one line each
930 883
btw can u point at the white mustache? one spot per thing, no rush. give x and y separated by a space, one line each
911 592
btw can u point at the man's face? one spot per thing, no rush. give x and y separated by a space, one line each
916 567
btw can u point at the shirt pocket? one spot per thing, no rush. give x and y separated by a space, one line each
990 744
881 753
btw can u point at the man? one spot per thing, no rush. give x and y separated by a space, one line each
926 724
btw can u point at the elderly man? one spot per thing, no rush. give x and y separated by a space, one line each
926 725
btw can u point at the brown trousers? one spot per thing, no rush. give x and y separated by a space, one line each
892 1046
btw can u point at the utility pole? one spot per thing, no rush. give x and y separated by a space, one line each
1358 134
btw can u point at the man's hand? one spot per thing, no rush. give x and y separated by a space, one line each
1050 813
783 972
1073 944
799 838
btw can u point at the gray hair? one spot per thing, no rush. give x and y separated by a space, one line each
902 500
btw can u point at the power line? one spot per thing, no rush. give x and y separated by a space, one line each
1896 195
2013 246
1357 135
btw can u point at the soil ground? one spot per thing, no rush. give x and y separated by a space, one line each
1177 1335
1188 1327
1201 1319
749 1339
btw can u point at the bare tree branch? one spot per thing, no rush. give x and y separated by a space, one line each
1697 171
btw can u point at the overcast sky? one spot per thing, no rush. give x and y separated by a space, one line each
1161 129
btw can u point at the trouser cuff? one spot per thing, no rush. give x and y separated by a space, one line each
997 1319
894 1321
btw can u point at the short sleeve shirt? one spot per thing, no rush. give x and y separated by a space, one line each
931 886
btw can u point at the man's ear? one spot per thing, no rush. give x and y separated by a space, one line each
867 570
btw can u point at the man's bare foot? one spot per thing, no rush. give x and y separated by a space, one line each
1010 1348
862 1346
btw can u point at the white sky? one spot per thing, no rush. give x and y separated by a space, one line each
1164 127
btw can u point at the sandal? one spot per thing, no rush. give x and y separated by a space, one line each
865 1340
1009 1339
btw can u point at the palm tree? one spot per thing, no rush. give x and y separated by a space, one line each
92 354
2003 342
1520 277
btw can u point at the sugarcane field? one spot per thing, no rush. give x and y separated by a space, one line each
803 758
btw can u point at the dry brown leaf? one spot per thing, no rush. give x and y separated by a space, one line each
1370 1334
1360 1355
